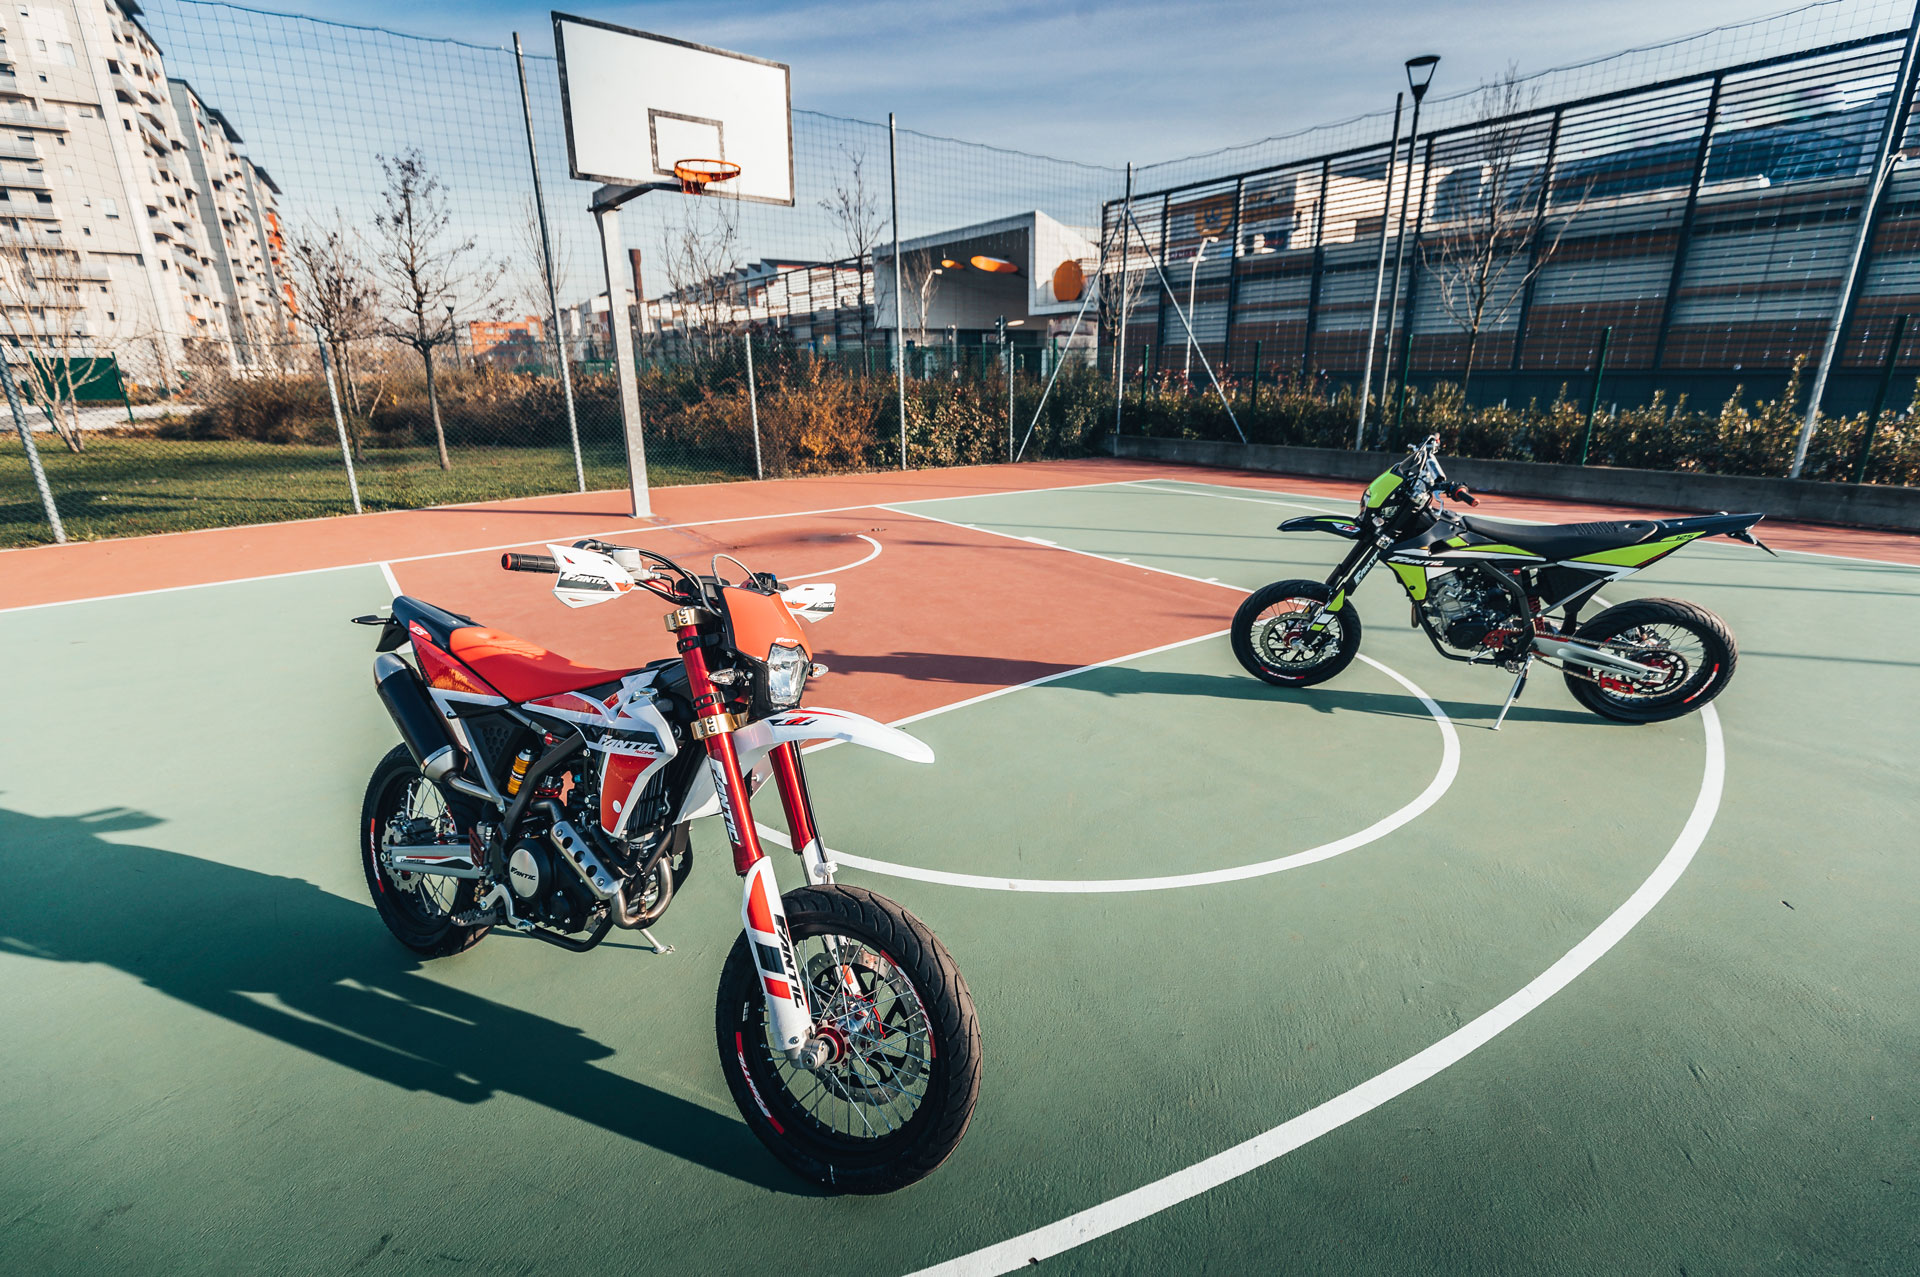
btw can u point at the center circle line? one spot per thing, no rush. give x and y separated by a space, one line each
1438 786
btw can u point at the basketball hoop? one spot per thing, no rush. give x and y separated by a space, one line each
696 175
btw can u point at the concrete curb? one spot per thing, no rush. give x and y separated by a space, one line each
1800 500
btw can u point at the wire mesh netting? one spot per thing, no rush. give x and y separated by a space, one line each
245 252
1530 264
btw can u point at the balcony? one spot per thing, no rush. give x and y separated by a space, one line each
13 148
24 180
20 116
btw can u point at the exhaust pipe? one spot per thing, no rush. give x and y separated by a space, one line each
419 723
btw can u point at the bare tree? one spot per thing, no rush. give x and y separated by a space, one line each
856 215
1498 221
334 291
528 280
923 273
702 265
426 273
51 353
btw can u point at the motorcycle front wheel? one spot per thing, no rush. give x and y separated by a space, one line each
896 1102
1272 641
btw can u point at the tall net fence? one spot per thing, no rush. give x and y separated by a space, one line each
1528 266
288 175
209 317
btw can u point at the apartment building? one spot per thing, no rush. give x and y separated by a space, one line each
130 222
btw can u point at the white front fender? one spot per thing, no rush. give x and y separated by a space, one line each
756 740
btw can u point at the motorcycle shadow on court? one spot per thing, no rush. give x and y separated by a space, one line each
244 945
1120 680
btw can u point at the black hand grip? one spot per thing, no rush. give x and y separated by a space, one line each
529 563
1466 496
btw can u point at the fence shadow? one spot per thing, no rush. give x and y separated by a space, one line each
282 957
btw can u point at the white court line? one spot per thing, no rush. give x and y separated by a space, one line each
393 582
1064 549
1443 778
1150 1199
1148 484
844 567
629 528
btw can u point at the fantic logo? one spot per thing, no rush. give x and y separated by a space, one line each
726 804
601 584
796 720
520 873
649 748
786 951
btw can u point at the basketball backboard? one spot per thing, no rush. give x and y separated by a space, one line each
636 104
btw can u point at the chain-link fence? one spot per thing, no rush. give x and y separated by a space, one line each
210 319
1644 275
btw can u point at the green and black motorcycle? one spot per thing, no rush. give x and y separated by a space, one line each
1489 592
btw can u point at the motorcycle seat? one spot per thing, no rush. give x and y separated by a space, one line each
522 670
1560 541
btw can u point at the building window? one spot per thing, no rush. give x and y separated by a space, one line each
112 207
66 55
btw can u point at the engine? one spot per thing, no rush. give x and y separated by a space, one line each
1464 607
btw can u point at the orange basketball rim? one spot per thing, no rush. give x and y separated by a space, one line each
696 175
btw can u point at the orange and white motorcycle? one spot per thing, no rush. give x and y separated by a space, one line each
553 798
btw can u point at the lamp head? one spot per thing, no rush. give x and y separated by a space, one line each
1420 73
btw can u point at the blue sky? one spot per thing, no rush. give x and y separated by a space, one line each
1109 82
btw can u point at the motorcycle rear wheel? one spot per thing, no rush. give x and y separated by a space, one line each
1692 642
1269 642
417 908
897 1103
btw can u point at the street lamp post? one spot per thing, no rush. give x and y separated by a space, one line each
1419 78
1193 283
1832 348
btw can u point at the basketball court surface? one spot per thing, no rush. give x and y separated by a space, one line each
1335 980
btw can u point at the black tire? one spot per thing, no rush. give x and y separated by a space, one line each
1261 661
842 1161
417 908
1699 675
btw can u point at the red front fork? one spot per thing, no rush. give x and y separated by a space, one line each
782 984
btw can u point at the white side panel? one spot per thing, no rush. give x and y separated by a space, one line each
756 740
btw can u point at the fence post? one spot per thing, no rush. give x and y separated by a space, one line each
899 302
339 420
546 261
33 453
1593 405
1255 396
1126 260
1880 399
753 408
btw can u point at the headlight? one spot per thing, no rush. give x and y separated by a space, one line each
786 676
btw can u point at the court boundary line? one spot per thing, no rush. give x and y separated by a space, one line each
1249 1155
629 527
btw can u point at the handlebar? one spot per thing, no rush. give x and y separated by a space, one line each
1459 490
529 563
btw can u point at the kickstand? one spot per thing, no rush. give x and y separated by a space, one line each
654 941
1519 685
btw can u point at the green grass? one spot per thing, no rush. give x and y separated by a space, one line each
132 485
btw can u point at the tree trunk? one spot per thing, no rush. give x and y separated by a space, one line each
1466 378
433 403
72 407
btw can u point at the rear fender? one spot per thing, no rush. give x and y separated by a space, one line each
1337 524
756 740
